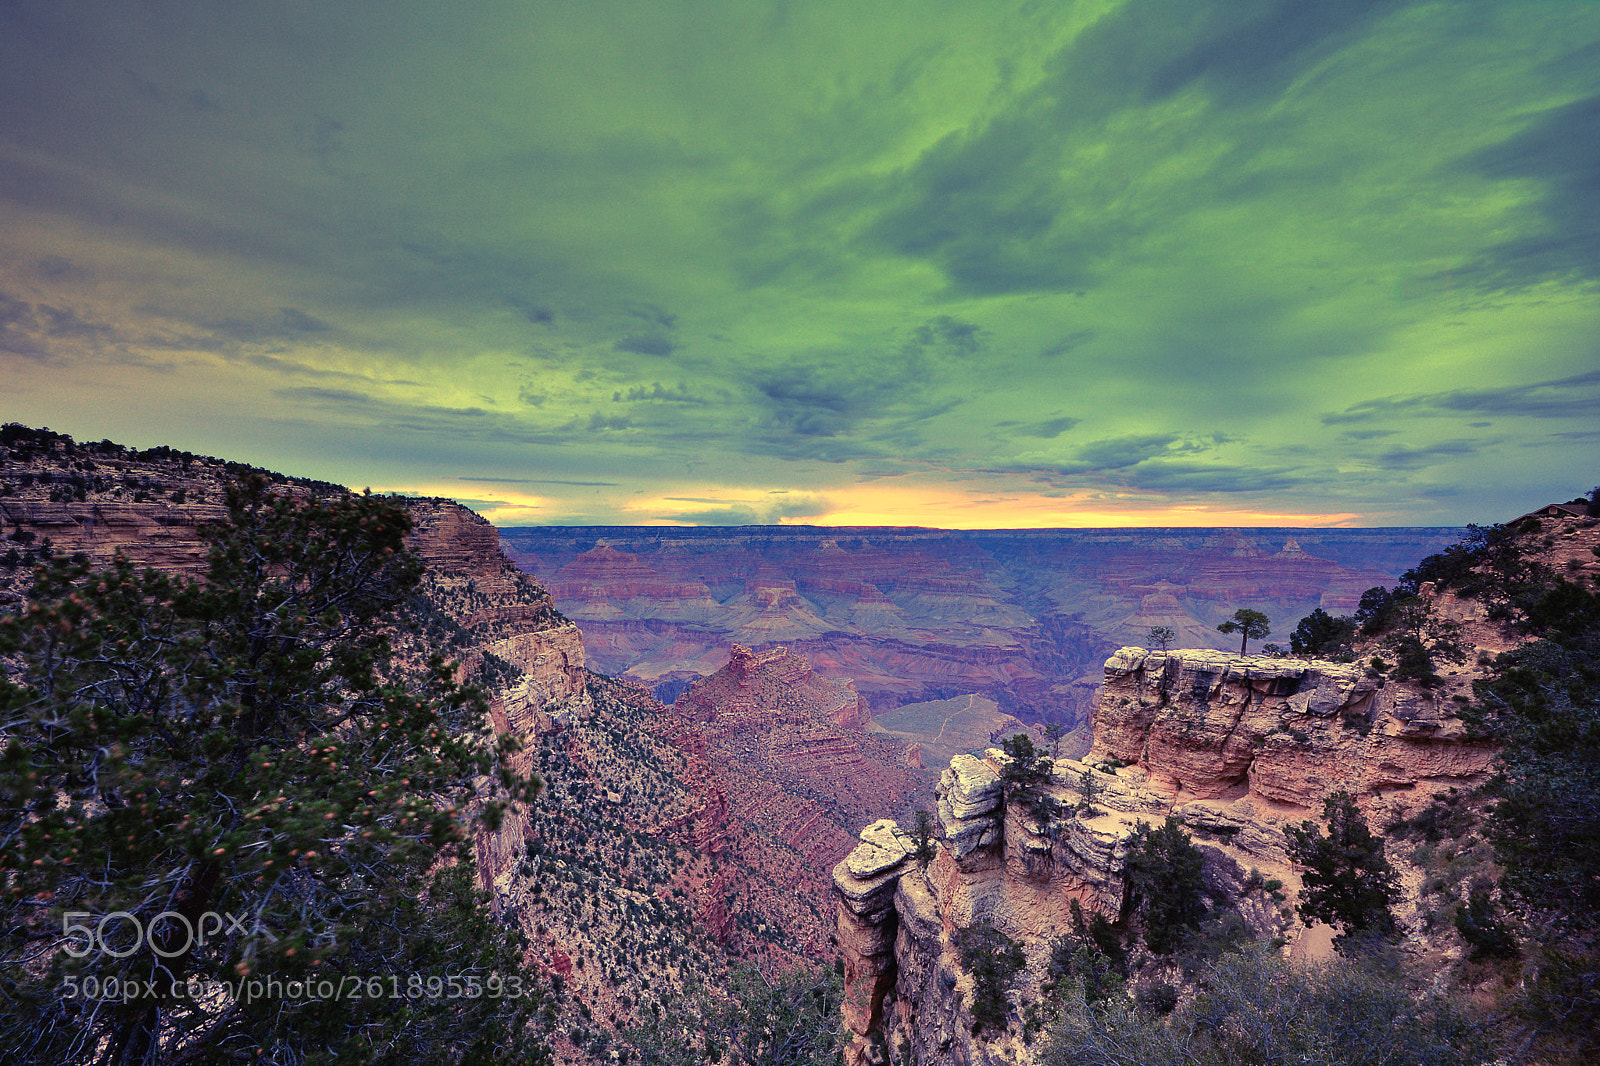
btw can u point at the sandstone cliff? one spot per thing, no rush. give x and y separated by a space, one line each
1234 746
778 754
660 852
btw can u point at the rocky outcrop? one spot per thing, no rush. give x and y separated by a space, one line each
779 754
1281 732
1234 747
753 687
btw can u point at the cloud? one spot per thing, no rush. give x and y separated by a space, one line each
1049 429
1117 453
1256 49
297 321
534 312
678 393
820 252
538 481
280 324
1186 477
37 331
1577 396
1561 152
659 317
772 512
195 100
647 344
313 394
1408 457
962 336
599 422
816 400
1067 343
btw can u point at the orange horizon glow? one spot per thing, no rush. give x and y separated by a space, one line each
878 504
993 508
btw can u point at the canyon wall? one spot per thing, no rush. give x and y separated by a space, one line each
1235 747
669 843
1023 618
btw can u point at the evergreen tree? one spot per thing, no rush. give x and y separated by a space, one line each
1348 880
209 783
1164 884
1024 775
1250 625
994 960
790 1019
1320 633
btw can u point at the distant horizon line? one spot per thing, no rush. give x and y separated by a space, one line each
797 528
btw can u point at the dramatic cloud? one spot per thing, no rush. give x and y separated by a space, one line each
953 263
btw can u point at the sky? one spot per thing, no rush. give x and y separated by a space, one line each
965 264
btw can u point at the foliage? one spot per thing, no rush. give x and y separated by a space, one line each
1560 999
1164 884
1091 959
994 960
1348 880
1160 637
1480 924
1088 790
1447 817
1255 1008
1411 632
787 1019
238 747
1053 732
1250 625
924 851
1027 766
1543 700
1024 775
1322 635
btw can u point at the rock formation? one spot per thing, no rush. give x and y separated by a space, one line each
1234 746
1023 618
775 748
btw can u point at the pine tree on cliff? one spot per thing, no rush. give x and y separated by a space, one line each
1165 884
209 783
1348 880
1026 772
1250 625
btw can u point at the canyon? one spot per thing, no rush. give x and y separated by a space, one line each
1236 748
670 845
822 681
1021 618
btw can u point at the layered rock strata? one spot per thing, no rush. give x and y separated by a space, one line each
1283 733
1234 747
1022 617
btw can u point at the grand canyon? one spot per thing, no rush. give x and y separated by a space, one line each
741 732
1021 620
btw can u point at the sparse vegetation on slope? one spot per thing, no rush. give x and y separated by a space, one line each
175 751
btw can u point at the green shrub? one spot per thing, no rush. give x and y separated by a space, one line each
1480 924
1348 880
993 959
1164 884
1253 1007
